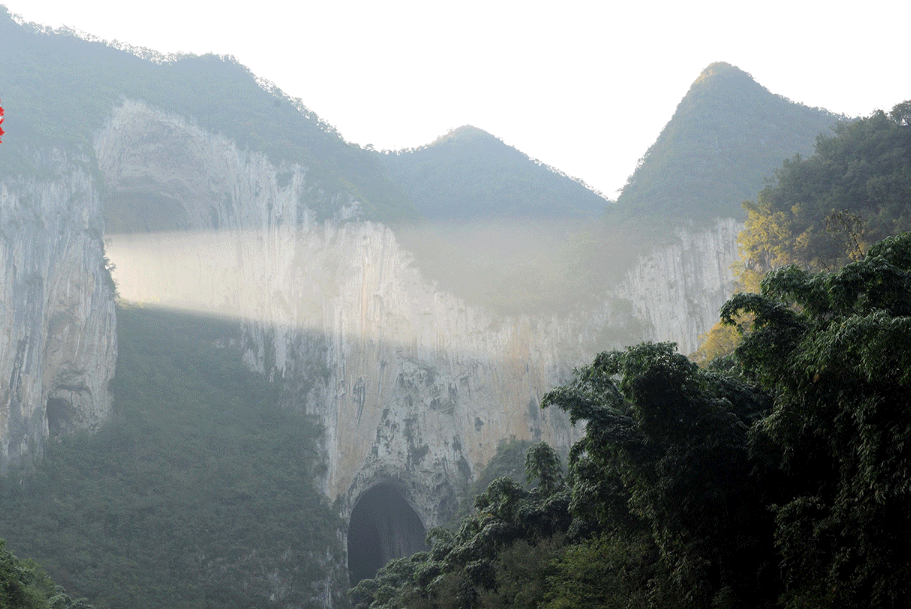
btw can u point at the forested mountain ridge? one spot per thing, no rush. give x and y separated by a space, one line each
728 134
59 89
470 174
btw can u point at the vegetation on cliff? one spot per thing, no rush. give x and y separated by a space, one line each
777 477
24 585
825 210
200 492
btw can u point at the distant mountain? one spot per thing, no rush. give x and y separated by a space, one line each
469 174
727 136
59 88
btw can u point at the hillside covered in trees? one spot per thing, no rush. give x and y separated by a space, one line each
201 492
825 210
470 174
727 136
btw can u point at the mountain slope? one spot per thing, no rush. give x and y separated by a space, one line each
200 493
728 134
59 89
470 174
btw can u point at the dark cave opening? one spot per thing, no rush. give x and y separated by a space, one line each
59 416
383 526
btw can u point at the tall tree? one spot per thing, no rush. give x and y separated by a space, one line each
665 452
833 348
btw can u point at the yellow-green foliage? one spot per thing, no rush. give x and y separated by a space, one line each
824 211
721 340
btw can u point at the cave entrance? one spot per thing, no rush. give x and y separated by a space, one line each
383 526
60 415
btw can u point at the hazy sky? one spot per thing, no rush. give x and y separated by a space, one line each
583 86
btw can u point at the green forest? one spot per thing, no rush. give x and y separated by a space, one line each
777 474
197 494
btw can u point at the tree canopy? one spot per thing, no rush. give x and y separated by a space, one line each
826 210
24 585
834 349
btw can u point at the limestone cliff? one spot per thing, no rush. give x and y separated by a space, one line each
414 387
677 290
59 343
411 385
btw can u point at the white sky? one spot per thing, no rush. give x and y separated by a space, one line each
583 86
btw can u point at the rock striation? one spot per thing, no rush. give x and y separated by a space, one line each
58 347
677 290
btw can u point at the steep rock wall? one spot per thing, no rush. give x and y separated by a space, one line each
58 347
414 388
677 290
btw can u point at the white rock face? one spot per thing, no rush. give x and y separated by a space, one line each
679 289
58 347
412 386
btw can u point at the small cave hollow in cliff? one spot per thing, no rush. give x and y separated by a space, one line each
60 416
383 527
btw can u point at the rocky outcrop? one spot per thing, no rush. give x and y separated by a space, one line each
414 388
59 342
